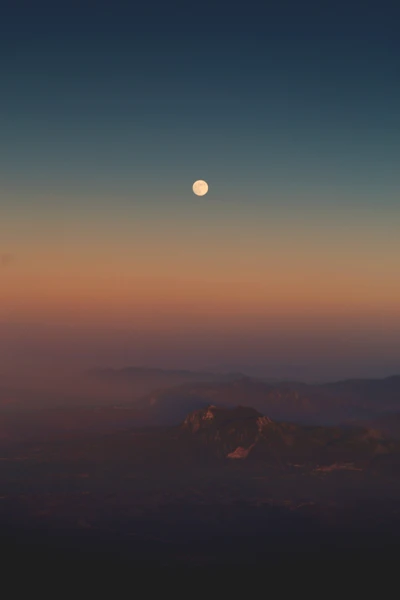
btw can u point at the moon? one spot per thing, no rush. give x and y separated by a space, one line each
200 187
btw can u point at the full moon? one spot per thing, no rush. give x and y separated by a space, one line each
200 187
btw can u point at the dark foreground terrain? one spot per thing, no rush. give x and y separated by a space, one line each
227 487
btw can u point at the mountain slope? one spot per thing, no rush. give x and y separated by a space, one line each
327 404
244 433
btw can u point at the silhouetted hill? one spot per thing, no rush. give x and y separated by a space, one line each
243 433
388 424
298 402
368 403
210 437
96 387
375 394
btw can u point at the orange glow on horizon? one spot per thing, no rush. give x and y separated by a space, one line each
233 274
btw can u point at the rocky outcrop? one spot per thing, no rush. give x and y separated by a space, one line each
234 432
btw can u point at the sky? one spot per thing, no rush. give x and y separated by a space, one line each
109 111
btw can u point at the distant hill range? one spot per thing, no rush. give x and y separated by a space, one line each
326 404
242 433
213 436
373 403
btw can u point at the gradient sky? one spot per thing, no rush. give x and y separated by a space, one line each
108 113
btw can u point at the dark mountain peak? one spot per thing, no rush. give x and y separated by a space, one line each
232 432
244 433
213 416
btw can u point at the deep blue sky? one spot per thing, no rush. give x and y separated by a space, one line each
108 95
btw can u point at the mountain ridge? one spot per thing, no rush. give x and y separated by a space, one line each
245 433
335 403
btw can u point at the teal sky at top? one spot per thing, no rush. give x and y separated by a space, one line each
269 102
